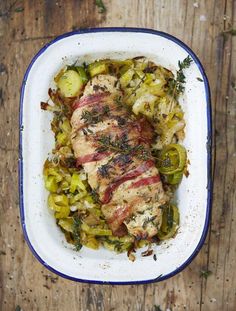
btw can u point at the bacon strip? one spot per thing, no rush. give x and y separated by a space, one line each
129 176
90 100
146 181
92 157
118 217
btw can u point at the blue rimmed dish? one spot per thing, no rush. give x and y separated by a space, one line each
44 238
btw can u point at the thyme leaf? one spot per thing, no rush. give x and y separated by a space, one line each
94 116
205 273
176 86
101 6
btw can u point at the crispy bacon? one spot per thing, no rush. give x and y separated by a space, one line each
146 181
121 179
120 214
96 156
90 100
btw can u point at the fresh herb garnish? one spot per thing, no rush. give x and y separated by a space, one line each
148 220
18 10
157 308
103 170
101 6
94 116
176 86
117 145
205 273
76 233
95 195
121 145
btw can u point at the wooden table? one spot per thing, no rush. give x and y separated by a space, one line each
207 27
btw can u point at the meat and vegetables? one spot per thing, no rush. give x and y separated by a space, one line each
117 160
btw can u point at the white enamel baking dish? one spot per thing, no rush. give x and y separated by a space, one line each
44 238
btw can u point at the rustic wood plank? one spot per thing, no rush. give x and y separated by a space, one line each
199 23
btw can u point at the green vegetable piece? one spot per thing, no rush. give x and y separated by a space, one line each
174 179
67 224
70 83
54 172
51 184
95 231
126 77
98 67
76 183
61 138
170 222
66 127
59 204
81 71
173 159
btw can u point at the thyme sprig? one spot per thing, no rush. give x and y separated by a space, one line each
176 86
205 273
101 6
122 146
93 117
76 233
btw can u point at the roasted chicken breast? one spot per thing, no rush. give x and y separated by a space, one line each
113 146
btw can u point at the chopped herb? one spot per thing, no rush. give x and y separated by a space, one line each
157 308
199 79
205 273
233 84
231 32
101 6
17 10
94 116
121 121
147 221
169 217
95 195
121 145
76 233
84 131
176 86
103 170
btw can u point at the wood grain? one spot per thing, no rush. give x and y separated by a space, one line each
27 25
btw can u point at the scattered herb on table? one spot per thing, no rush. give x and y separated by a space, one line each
101 6
231 32
18 10
205 273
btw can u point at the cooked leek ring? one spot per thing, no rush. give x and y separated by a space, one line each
70 83
96 68
172 159
170 222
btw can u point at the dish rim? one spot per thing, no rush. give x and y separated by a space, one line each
209 152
